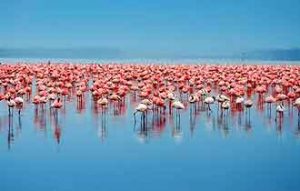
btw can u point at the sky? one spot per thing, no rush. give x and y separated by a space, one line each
153 28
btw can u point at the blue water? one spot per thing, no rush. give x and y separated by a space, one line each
148 61
98 151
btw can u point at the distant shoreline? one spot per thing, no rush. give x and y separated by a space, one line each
146 61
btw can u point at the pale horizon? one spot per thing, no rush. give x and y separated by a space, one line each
134 29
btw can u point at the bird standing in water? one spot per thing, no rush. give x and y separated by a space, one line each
279 111
221 98
248 104
141 108
57 104
178 106
19 104
209 100
297 105
239 101
193 99
11 104
103 102
225 105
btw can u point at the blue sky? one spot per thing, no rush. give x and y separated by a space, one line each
152 28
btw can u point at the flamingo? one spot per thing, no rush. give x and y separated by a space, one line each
239 101
248 104
19 103
209 100
221 98
202 93
269 100
193 99
225 105
36 100
176 104
146 102
102 101
281 97
142 108
279 110
171 97
43 101
11 104
115 97
57 104
51 97
79 95
297 105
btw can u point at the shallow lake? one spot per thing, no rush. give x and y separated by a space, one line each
80 149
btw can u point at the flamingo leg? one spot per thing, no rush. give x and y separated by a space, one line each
209 107
133 116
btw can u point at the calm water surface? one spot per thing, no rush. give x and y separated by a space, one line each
84 150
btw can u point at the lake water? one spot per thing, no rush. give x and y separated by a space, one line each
84 150
149 61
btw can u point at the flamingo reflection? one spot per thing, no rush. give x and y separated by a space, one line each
57 129
143 132
10 135
102 130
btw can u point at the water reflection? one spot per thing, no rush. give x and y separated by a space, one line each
193 118
57 132
177 131
279 123
223 120
10 134
298 129
155 122
159 120
80 106
40 120
102 129
248 125
143 130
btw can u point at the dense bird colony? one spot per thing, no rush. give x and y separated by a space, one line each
159 90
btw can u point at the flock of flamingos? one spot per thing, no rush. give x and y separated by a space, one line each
160 90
